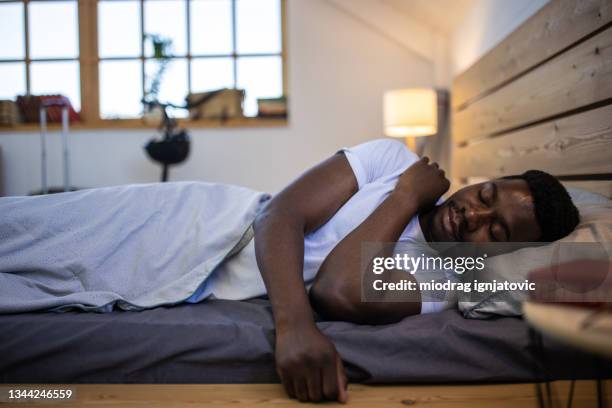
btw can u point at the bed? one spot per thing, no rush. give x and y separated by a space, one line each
544 96
224 341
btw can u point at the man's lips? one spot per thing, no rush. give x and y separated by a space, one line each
450 222
446 221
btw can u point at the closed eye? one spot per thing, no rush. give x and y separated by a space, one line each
498 232
492 234
481 197
487 194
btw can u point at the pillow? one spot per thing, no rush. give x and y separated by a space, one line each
583 197
595 227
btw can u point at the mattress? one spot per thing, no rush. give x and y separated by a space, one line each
222 341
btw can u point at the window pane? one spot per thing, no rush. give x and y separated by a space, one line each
258 26
59 77
123 42
53 29
120 89
208 74
173 85
168 19
211 27
261 77
13 80
11 31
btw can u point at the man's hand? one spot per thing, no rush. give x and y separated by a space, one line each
309 365
424 182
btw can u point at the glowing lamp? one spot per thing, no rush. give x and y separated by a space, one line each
410 113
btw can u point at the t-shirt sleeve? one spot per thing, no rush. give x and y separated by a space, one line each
437 300
430 305
378 158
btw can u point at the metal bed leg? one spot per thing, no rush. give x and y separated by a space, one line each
66 147
43 150
570 394
536 346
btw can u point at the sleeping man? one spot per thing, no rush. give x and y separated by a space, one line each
137 247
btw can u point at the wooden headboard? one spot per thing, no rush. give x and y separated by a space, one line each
541 99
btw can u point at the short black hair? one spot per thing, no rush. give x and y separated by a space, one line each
555 212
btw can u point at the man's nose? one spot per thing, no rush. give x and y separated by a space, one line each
477 216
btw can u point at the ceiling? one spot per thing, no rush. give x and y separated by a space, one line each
441 15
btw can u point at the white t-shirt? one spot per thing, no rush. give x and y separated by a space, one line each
377 166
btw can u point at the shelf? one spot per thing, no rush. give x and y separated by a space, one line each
139 124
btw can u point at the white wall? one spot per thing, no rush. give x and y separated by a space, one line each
486 24
339 64
338 69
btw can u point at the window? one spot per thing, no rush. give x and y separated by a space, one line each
99 53
35 58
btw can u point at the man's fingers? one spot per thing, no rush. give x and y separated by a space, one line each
314 386
342 381
425 159
331 385
301 389
288 385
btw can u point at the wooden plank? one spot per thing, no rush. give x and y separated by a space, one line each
88 60
387 396
603 187
251 122
600 187
577 144
284 48
26 38
1 174
556 26
577 78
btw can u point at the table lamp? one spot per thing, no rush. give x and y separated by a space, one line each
410 113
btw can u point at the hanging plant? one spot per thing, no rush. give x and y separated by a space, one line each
162 53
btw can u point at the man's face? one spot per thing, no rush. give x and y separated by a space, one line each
494 211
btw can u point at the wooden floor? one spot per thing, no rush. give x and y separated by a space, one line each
258 395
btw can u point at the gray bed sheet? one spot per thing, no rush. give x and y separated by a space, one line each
232 342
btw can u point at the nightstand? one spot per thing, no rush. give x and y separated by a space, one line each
588 330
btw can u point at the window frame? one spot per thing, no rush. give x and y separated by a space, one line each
27 60
89 62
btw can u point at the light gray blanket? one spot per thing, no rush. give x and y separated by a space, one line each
134 247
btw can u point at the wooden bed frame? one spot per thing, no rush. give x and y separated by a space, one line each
265 395
540 99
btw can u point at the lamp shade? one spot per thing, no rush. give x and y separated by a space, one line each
410 112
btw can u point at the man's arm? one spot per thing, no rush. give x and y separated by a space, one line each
336 292
306 361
